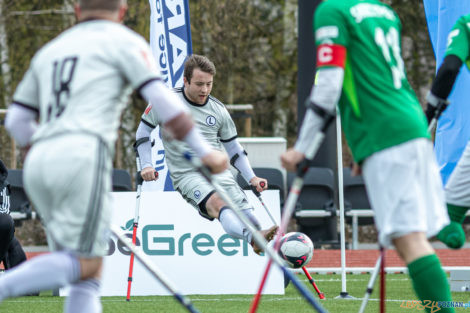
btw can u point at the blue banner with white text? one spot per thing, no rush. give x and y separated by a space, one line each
453 129
170 40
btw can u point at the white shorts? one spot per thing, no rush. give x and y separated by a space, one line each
194 188
68 179
458 186
405 190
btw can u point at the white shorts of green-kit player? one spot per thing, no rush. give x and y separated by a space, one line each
68 179
458 186
405 190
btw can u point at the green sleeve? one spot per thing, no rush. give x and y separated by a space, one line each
458 40
330 25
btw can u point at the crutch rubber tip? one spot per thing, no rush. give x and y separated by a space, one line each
321 295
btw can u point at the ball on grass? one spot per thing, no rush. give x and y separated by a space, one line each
296 249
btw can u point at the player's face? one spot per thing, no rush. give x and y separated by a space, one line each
200 86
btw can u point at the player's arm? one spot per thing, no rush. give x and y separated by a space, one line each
21 123
174 116
457 52
23 112
239 159
331 39
144 149
321 103
322 100
442 86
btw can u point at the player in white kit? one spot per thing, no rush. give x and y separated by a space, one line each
77 87
218 128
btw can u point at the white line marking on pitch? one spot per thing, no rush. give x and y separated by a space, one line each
354 279
248 299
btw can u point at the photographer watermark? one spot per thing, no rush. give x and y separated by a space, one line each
434 306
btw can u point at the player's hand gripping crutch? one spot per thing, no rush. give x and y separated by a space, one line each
434 110
293 196
260 241
153 269
321 295
139 181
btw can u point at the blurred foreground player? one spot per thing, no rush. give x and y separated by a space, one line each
457 189
78 85
360 66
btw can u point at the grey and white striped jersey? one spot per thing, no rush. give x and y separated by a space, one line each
80 82
214 123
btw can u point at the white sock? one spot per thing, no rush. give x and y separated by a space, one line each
44 272
84 296
232 225
249 214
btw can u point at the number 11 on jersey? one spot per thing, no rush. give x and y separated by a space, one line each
389 42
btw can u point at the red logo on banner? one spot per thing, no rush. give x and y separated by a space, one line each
331 55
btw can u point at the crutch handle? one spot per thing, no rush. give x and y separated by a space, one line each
138 178
256 192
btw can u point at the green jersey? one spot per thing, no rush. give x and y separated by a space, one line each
458 40
377 105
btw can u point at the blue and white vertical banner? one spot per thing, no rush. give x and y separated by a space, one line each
170 40
453 128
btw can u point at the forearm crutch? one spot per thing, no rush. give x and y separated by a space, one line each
441 106
370 285
321 295
382 280
293 196
153 269
260 241
138 181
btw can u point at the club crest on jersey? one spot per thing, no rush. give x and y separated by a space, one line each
197 194
211 120
147 110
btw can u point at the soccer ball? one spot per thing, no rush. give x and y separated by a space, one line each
296 248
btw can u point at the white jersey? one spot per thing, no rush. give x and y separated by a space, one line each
214 123
81 81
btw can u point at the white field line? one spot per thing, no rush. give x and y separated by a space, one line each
248 298
353 279
361 270
242 298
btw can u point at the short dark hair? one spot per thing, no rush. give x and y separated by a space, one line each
198 61
105 5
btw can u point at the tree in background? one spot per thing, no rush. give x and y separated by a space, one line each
254 47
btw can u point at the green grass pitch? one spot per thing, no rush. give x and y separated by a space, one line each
398 289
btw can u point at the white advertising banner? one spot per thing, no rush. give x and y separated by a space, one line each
195 254
170 40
